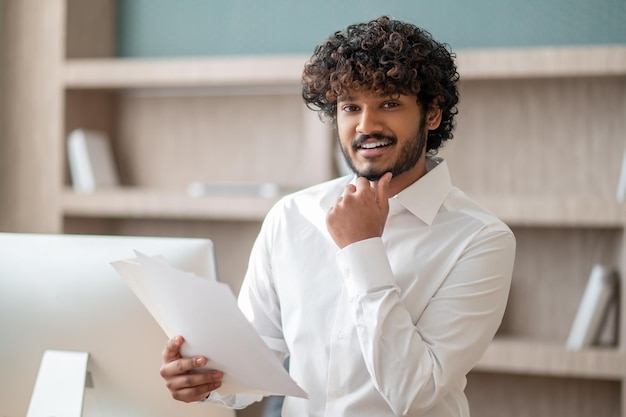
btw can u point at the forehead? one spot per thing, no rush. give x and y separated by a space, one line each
368 95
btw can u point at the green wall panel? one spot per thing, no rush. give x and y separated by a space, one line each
153 28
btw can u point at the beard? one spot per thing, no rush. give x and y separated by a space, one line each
410 154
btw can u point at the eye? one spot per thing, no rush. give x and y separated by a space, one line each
348 108
390 104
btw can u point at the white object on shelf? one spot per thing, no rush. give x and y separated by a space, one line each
90 160
203 189
621 185
599 292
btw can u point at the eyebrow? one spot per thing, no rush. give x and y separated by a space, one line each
351 98
344 98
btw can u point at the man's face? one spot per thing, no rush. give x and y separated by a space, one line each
382 133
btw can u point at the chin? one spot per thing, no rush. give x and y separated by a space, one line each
371 174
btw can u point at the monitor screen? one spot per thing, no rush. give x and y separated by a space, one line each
60 292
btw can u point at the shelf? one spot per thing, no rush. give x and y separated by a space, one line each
524 108
546 62
135 202
555 211
128 203
524 357
236 72
285 71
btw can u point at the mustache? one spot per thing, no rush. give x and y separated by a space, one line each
378 136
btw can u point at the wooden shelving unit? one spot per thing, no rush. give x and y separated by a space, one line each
586 210
540 142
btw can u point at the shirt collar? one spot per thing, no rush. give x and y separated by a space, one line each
425 196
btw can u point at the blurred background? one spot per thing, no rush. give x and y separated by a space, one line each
195 27
198 108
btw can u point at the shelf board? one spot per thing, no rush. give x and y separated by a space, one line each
241 71
570 211
542 62
138 203
552 359
271 71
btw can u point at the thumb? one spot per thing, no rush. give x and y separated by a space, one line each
172 349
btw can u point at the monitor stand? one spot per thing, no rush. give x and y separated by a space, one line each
60 386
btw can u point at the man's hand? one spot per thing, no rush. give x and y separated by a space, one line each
184 384
361 212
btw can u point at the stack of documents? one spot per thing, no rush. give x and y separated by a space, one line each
206 314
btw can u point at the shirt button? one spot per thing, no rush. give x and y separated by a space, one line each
340 336
338 393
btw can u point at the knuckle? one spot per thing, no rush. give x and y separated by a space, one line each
170 385
180 367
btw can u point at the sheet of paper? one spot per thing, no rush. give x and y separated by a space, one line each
206 314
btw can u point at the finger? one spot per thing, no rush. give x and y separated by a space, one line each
194 387
182 366
350 188
196 379
171 352
361 183
193 394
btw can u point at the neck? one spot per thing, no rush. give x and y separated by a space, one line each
400 182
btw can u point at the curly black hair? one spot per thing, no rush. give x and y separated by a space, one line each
384 56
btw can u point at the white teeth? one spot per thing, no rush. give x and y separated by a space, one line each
373 145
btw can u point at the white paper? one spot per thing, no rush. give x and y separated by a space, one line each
206 314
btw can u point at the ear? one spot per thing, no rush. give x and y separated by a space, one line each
433 115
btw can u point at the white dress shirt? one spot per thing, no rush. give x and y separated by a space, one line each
387 326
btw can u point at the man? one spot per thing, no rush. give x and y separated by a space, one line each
384 289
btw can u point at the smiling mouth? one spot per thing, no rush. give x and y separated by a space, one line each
372 142
374 145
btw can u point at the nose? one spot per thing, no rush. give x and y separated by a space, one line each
369 122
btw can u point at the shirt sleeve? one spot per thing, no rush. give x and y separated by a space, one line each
414 365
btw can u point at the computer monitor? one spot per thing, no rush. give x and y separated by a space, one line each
60 292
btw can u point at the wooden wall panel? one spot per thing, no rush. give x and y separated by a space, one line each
31 103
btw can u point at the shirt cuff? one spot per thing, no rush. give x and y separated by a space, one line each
365 267
233 401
